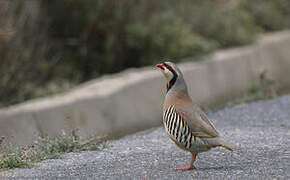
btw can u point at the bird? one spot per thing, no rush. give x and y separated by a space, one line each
184 121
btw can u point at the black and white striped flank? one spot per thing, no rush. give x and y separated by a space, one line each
177 127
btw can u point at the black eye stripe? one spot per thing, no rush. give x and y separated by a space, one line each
173 80
168 67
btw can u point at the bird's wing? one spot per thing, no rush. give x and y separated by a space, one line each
198 122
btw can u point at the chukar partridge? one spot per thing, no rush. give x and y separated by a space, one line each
185 123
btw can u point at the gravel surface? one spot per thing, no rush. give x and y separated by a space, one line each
260 131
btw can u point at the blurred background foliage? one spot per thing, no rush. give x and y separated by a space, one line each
50 46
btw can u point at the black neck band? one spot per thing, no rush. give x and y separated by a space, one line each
172 81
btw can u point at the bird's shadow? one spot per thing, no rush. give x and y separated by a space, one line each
219 168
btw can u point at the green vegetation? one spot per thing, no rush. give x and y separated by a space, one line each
269 15
71 41
48 148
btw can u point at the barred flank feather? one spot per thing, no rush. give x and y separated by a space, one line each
177 127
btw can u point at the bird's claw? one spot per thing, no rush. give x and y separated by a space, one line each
185 168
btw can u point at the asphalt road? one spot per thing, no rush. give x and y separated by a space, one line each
261 132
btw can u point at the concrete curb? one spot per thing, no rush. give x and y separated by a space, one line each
131 100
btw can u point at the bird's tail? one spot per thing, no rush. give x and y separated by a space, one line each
227 146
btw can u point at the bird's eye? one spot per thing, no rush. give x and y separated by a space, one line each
168 67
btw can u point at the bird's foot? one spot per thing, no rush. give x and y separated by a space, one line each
185 168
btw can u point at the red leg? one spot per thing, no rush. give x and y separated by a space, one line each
190 166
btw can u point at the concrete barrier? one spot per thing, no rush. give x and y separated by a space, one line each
131 100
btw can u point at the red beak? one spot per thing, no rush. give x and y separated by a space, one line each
161 66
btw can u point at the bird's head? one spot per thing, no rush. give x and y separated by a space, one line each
168 69
172 73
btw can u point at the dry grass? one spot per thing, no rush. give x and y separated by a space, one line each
48 148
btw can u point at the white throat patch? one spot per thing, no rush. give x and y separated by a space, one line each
168 74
